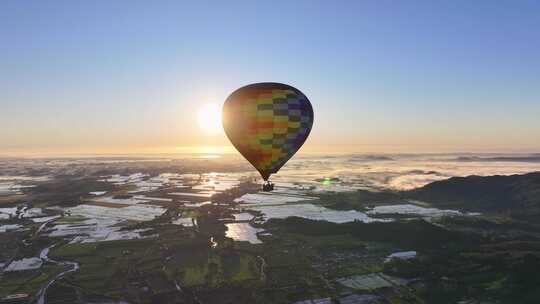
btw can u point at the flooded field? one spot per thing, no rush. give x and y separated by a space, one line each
409 209
24 264
10 185
243 232
102 215
313 212
214 206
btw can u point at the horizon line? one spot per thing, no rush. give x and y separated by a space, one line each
230 150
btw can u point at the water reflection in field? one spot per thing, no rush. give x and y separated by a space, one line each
313 212
409 209
243 232
298 186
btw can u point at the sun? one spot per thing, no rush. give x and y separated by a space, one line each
209 118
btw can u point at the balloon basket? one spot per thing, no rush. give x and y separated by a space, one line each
268 186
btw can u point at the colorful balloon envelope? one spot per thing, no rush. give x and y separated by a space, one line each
267 123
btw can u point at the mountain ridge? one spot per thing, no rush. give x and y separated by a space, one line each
515 194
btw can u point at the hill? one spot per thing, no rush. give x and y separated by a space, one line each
514 194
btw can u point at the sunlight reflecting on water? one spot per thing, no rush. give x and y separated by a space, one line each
243 232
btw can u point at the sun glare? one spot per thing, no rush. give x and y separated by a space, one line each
209 118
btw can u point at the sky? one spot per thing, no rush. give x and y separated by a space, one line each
383 76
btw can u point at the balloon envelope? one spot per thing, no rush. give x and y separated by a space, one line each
267 123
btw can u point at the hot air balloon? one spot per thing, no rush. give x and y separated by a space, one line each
267 123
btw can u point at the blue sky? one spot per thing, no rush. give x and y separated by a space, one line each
382 75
